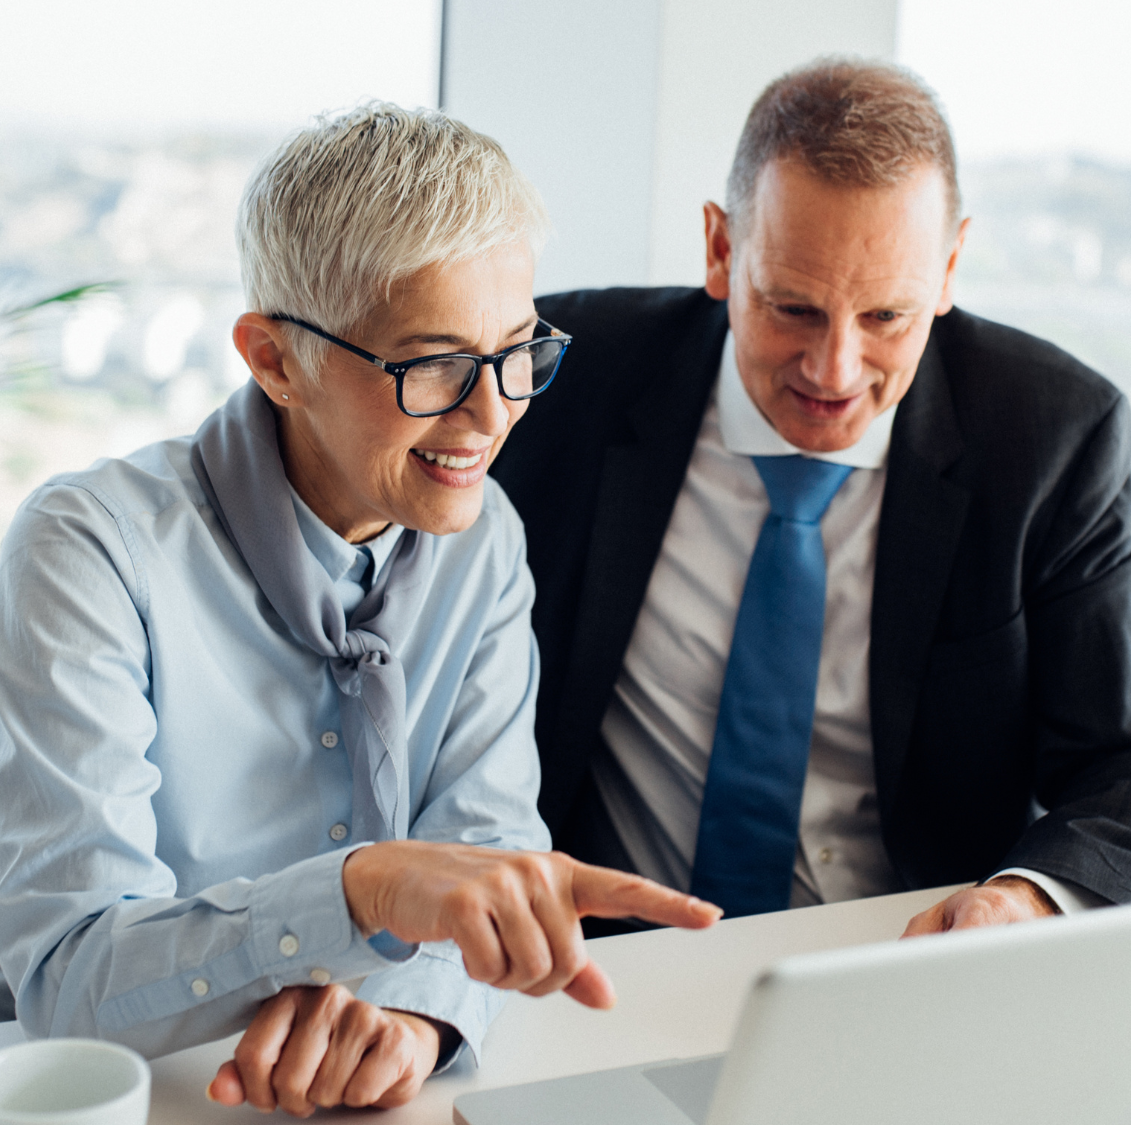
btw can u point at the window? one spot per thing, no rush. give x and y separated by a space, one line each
129 129
1039 101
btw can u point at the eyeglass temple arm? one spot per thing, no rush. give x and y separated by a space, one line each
368 356
555 333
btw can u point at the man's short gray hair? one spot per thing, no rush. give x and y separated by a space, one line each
356 202
862 124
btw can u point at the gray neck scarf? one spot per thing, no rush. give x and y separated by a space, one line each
235 455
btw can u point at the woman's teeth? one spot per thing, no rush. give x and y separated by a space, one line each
446 461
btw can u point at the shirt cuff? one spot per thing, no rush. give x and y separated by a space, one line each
299 931
1070 897
302 929
436 984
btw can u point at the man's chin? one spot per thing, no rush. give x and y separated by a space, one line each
826 435
818 426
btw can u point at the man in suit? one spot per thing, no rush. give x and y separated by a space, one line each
962 711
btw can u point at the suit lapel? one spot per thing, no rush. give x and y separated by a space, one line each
641 475
921 521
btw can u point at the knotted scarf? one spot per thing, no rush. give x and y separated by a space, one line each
235 456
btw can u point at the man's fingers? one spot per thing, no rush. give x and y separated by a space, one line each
258 1051
932 921
591 987
602 893
1005 899
226 1088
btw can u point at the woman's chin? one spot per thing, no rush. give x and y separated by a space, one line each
453 514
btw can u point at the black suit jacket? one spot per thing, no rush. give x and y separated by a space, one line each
1000 661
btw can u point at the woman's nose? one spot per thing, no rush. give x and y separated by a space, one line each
485 408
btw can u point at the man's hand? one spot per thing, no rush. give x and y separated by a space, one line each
311 1047
515 915
1006 898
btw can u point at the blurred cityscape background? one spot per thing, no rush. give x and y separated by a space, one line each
134 224
146 352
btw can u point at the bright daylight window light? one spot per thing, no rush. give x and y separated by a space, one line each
1037 94
129 129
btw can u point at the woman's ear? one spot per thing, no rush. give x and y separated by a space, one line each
265 349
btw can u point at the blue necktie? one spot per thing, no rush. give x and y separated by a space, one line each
752 799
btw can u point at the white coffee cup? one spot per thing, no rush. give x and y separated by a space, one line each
73 1082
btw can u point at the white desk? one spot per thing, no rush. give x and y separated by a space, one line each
679 996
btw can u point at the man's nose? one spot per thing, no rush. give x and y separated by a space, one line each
835 361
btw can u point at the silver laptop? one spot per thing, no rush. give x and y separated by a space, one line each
1025 1024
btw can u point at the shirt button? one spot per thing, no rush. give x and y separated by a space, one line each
319 976
200 987
825 855
330 740
288 945
338 833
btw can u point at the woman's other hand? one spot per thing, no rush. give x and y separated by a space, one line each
309 1047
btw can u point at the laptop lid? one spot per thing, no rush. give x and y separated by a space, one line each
1025 1024
1012 1025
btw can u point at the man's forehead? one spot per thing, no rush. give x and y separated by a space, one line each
786 278
807 235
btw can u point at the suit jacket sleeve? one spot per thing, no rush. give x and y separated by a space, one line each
1078 612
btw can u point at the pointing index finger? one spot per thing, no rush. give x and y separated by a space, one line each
603 893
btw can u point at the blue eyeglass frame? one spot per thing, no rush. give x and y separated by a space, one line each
399 370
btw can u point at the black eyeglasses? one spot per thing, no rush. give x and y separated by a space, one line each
435 384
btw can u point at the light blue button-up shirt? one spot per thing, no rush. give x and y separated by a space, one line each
175 793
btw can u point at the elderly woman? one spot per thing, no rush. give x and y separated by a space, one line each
246 677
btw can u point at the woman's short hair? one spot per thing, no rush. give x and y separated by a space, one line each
358 201
862 124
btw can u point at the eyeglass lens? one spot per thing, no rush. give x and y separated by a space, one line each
438 383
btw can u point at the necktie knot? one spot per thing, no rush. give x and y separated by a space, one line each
800 488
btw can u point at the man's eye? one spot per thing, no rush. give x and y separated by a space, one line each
795 310
884 315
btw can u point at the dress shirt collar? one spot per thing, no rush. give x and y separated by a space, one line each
745 429
339 558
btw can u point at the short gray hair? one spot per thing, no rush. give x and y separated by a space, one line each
358 201
862 124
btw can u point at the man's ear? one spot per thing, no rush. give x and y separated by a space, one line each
265 349
946 299
718 251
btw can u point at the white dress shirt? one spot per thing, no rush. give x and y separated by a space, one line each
660 724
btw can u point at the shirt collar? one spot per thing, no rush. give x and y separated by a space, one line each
746 430
339 558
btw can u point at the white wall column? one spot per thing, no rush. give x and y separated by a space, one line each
625 113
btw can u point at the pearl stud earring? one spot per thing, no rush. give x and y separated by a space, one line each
287 397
